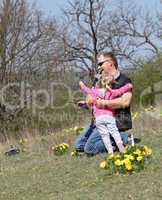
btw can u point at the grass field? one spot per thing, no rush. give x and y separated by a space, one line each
38 174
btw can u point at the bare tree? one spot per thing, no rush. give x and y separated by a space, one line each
83 22
19 31
28 43
92 27
131 31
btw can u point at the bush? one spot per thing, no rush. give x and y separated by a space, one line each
145 76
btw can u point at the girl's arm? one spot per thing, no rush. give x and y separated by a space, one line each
90 99
85 89
120 91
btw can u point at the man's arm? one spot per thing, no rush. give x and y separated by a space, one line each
120 102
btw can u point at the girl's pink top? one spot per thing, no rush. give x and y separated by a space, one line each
94 92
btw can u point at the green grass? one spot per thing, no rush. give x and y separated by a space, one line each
39 175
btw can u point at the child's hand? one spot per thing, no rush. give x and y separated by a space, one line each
81 84
130 85
109 88
89 100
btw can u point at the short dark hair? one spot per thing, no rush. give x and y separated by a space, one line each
109 55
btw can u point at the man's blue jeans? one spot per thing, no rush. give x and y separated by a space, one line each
90 141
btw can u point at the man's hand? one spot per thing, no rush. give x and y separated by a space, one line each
100 102
82 104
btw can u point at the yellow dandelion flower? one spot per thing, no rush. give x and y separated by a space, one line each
128 166
147 150
20 141
151 108
24 150
118 162
139 158
122 162
75 128
127 161
66 145
145 147
126 149
116 156
134 115
25 140
137 152
73 153
60 148
130 157
63 146
103 165
111 157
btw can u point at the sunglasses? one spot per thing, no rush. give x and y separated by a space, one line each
101 63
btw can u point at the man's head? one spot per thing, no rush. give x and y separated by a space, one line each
107 62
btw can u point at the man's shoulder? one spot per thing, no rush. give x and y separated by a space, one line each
123 78
121 81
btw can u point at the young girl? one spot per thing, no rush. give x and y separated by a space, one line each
105 121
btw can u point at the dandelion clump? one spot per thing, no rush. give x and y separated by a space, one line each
60 149
76 129
74 153
23 141
133 159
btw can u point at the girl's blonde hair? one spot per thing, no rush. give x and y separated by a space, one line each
105 81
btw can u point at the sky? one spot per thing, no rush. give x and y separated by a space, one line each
53 7
50 7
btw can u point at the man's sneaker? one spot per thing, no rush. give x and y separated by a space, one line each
132 140
79 152
137 140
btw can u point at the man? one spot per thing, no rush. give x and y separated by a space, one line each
90 140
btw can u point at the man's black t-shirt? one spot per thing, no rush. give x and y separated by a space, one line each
122 115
